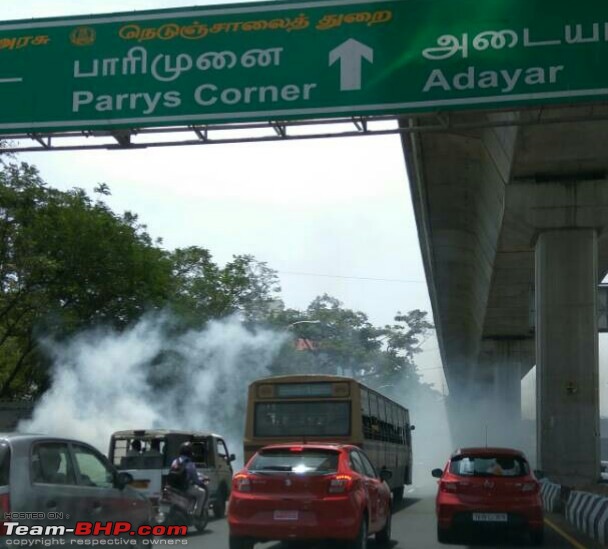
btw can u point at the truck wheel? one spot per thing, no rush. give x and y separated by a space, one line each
219 506
398 494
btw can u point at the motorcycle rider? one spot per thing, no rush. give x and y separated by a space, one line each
196 486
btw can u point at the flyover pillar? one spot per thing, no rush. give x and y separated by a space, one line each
507 395
567 355
502 361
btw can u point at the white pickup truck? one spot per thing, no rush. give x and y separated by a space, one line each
146 454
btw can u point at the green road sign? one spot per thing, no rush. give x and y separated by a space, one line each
280 61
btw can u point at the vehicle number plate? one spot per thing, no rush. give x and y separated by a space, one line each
286 515
490 517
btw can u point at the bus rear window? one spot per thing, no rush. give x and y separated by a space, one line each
317 418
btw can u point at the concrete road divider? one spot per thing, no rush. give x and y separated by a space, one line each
589 514
551 495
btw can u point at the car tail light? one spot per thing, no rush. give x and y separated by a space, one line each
340 484
241 483
530 487
448 486
5 508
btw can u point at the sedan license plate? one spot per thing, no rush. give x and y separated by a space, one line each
286 515
490 517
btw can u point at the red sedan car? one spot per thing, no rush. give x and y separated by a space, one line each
309 492
488 488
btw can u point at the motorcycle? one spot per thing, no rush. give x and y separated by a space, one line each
175 508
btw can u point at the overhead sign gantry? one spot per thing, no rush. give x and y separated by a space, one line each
295 61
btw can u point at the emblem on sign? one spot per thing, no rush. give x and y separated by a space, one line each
83 36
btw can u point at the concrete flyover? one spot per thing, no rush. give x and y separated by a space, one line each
511 209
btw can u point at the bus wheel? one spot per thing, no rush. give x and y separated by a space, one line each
398 494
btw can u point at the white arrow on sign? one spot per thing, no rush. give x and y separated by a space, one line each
351 54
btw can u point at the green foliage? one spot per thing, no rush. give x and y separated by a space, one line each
330 339
66 263
202 290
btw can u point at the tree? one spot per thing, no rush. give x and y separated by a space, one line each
66 263
402 342
202 290
343 341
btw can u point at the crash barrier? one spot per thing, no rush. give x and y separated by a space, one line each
589 514
550 493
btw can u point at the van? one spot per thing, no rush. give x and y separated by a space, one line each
147 454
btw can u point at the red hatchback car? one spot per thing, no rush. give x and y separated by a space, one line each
488 488
309 492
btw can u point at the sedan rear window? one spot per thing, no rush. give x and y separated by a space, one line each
489 466
300 461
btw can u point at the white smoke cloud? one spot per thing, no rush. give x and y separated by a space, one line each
151 377
431 440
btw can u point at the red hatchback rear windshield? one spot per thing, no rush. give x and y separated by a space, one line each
303 461
489 466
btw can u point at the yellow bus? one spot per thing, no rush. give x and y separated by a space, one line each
324 408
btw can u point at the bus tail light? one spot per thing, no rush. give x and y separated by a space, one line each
340 484
241 483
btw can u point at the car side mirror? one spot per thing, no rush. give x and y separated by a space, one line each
437 473
412 427
231 458
385 474
123 479
539 474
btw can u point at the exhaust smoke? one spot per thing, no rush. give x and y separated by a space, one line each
149 377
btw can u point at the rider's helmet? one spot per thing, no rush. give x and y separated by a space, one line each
186 449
